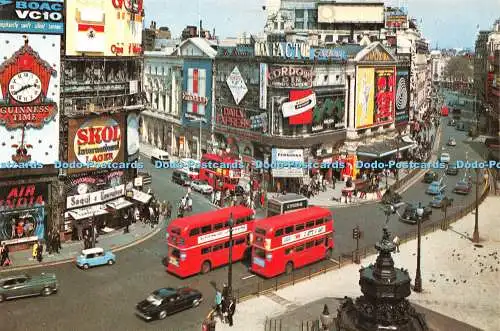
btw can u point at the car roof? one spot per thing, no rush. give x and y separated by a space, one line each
436 182
3 279
94 250
165 292
462 182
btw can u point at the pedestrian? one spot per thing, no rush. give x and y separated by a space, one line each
34 250
169 209
190 204
396 243
230 311
127 223
57 242
218 302
39 252
212 197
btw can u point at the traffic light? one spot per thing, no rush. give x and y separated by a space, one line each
356 234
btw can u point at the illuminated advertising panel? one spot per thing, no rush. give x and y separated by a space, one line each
32 16
385 92
402 100
365 92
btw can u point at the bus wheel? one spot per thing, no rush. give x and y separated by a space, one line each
289 268
205 267
328 254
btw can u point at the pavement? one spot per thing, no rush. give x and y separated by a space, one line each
460 281
115 241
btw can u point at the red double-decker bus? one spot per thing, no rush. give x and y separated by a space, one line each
220 178
199 243
285 242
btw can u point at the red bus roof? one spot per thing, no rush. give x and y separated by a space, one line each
302 215
210 217
218 158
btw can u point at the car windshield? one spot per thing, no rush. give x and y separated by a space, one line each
202 182
154 300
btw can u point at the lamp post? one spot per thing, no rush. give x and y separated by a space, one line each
475 236
230 267
201 120
326 318
418 277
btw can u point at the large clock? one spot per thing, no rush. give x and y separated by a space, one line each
25 87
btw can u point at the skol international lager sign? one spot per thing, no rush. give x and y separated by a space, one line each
98 140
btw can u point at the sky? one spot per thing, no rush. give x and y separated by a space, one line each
446 23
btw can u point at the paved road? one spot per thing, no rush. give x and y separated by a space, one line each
104 298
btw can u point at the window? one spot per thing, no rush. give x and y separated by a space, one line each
299 227
260 253
205 250
310 224
218 226
299 248
319 242
260 231
278 233
299 13
239 241
320 221
299 25
310 244
288 250
288 229
194 232
217 248
226 244
176 253
206 228
241 220
90 256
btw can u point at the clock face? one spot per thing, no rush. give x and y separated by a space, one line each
25 87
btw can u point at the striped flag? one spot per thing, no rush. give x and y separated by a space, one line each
197 86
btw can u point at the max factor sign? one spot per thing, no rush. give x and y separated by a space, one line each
286 50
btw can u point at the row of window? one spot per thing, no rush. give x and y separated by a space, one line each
299 227
297 249
218 226
218 247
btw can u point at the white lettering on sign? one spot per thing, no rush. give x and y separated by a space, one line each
221 234
303 235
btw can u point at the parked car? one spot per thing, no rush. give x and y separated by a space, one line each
167 301
452 123
159 155
440 200
24 285
463 187
445 157
452 170
452 142
430 176
93 257
391 197
435 187
181 177
201 186
409 215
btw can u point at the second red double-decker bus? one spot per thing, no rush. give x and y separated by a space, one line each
199 243
219 177
285 242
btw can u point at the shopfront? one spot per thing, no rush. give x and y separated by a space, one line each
23 214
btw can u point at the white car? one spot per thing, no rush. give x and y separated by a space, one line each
452 142
201 186
445 157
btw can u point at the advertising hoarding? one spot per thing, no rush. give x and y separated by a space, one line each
104 27
96 139
364 97
329 113
235 51
132 137
287 155
263 86
32 16
350 13
289 76
29 98
396 18
328 54
237 85
284 50
385 92
197 92
299 109
402 101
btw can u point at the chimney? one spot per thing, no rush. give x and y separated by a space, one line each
201 29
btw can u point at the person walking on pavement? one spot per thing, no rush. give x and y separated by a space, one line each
396 243
230 311
39 252
4 256
34 250
190 204
169 209
218 302
57 242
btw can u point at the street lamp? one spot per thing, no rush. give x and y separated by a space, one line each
326 318
230 222
201 120
475 235
418 277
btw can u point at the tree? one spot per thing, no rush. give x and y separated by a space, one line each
459 68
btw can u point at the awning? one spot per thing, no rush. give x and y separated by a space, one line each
87 212
140 196
384 148
119 203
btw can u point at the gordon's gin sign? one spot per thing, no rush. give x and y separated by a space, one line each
98 141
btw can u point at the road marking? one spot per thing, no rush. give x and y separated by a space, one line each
334 261
247 277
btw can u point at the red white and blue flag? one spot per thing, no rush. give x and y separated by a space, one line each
197 86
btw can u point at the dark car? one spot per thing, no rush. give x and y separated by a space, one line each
181 178
463 187
409 215
430 177
461 126
452 170
19 286
167 301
